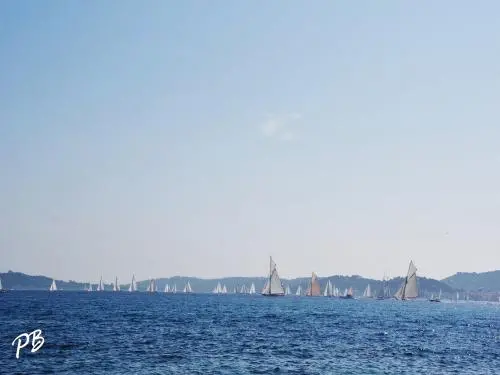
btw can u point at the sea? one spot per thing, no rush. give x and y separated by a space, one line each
139 333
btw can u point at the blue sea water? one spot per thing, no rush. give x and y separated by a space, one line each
138 333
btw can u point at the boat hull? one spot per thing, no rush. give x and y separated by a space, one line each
274 295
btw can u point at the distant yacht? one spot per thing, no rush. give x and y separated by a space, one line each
288 291
217 289
152 288
174 289
2 289
252 289
133 285
187 288
328 292
314 288
100 287
367 292
89 289
167 289
243 289
273 286
436 299
348 294
408 289
385 292
116 287
53 286
299 291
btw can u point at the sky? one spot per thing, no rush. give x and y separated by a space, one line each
198 138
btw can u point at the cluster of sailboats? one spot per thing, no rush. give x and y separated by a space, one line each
274 287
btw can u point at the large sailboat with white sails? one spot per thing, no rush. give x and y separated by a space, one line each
408 289
273 287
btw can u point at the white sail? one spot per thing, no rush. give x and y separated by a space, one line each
100 287
90 287
408 288
174 289
224 289
273 285
132 287
1 288
299 291
187 288
243 289
335 291
116 286
217 289
152 287
53 286
328 289
167 289
367 292
287 290
252 289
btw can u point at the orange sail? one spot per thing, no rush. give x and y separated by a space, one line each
314 288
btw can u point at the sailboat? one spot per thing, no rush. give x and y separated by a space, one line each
100 287
385 292
314 288
2 289
116 287
348 294
408 289
187 288
288 291
53 286
89 289
252 289
224 289
273 287
133 285
299 291
328 292
436 299
152 287
167 289
243 289
367 292
217 289
174 289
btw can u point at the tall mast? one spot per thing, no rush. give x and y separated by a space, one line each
406 280
270 272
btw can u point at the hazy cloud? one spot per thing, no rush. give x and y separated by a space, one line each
279 126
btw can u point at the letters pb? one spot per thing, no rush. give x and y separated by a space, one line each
37 341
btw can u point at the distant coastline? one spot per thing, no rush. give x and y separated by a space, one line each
479 285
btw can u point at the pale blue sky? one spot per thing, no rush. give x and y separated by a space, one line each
197 138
